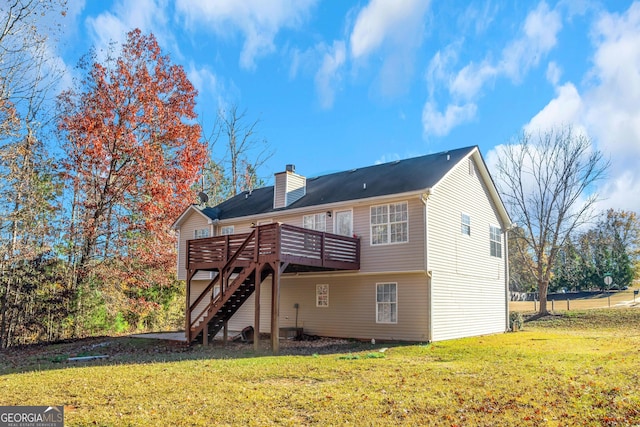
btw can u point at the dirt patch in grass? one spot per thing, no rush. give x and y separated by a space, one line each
122 350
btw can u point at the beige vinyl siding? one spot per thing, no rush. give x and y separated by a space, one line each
288 188
246 314
193 221
405 256
352 307
468 285
197 286
296 187
280 190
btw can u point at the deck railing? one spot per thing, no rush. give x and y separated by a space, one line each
277 242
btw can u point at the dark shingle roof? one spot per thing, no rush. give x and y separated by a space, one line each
415 174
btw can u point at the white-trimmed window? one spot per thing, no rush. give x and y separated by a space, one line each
200 233
225 230
495 241
389 223
343 223
465 224
322 295
316 222
386 303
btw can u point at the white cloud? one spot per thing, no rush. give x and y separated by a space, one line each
565 109
478 18
554 72
538 37
437 123
112 26
328 75
257 20
206 82
614 100
609 106
540 30
393 29
468 82
381 20
439 66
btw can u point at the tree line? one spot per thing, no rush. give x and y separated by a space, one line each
93 176
558 241
611 247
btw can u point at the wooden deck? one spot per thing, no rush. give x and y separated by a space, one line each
241 261
302 249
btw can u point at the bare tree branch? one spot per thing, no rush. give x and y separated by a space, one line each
548 185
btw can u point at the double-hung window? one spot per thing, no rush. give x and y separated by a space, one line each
386 302
495 241
225 230
200 233
389 223
465 223
316 222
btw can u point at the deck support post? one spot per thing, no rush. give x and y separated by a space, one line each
187 326
256 319
225 333
275 309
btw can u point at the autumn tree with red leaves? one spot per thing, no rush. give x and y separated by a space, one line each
133 152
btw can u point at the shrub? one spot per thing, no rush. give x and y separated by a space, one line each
515 321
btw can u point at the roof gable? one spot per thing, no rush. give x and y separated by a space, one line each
185 214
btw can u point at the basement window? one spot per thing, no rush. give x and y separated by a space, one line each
386 303
322 295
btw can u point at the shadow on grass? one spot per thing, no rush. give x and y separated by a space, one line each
540 316
130 350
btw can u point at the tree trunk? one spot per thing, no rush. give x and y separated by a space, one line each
543 286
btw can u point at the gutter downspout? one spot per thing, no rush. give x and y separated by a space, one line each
506 275
424 198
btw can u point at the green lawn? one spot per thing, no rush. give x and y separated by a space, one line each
581 368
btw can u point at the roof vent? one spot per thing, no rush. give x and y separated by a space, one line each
290 168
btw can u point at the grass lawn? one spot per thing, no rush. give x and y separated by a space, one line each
579 368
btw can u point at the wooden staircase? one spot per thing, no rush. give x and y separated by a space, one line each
236 282
223 306
241 261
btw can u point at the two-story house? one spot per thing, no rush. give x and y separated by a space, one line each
412 250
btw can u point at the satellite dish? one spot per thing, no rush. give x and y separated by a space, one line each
203 197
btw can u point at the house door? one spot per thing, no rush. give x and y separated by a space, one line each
344 223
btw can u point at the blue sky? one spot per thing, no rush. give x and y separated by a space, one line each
338 85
